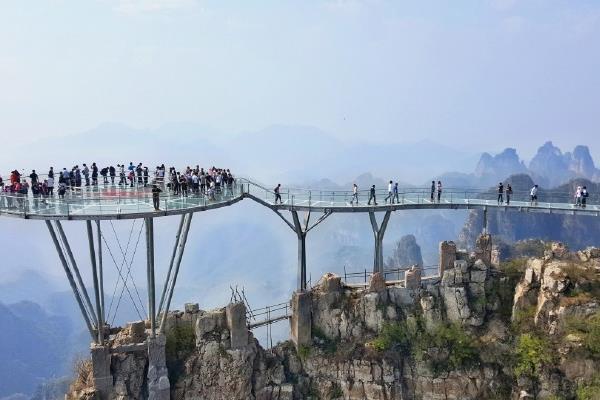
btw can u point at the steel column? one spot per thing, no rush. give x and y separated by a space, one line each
150 273
175 247
101 270
378 234
181 247
301 233
485 220
71 280
100 324
82 289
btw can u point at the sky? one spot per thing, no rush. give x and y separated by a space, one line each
479 75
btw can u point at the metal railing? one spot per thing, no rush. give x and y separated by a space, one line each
390 274
268 315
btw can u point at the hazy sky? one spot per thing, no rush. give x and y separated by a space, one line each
476 74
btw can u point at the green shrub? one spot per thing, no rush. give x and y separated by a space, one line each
588 329
335 391
523 319
532 354
590 391
181 342
328 345
303 352
514 268
458 349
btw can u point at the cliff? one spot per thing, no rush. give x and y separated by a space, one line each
526 328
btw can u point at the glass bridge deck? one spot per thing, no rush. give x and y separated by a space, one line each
114 202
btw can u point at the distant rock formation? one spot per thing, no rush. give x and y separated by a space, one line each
503 164
406 253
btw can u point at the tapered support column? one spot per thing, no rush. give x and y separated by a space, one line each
378 233
301 232
100 269
180 247
99 312
150 274
78 298
485 220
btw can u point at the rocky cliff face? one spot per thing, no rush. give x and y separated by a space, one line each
528 328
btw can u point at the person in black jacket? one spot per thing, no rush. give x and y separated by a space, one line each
94 174
156 197
277 193
112 172
372 196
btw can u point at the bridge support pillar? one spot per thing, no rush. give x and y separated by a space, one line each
103 380
150 274
301 232
378 233
447 256
301 321
158 375
236 323
95 276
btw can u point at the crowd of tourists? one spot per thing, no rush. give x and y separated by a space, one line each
197 181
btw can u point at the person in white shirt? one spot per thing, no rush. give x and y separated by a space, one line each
354 194
50 184
389 196
534 194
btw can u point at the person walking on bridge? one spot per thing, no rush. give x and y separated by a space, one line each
86 174
534 195
432 190
372 196
395 190
389 196
500 193
156 197
277 193
439 191
354 194
509 193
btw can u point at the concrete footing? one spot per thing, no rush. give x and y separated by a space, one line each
236 323
103 380
447 256
301 321
158 376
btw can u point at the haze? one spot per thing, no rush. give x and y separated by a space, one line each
474 75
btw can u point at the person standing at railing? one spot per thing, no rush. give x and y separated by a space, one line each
122 180
389 196
439 191
146 173
112 172
584 196
34 177
50 184
396 198
500 193
432 190
372 196
77 173
94 174
509 193
354 194
86 174
578 196
184 185
202 182
277 193
534 194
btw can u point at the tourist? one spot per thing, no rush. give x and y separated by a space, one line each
277 193
104 173
51 172
354 194
584 196
389 196
432 190
534 194
509 193
439 191
94 174
86 174
396 194
578 196
112 172
156 197
146 173
372 196
34 177
500 193
50 185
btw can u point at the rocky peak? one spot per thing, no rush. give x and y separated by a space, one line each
581 162
406 253
501 165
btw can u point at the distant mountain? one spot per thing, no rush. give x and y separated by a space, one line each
34 347
406 253
549 167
